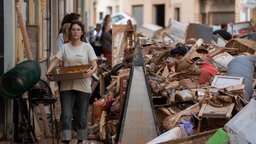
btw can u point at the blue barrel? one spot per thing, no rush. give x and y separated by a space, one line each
243 66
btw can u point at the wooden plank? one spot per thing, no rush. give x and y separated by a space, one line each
229 112
165 72
45 121
102 86
113 83
124 74
121 92
94 85
155 97
38 127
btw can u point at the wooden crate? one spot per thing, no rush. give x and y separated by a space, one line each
70 72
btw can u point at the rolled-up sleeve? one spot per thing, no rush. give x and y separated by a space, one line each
60 41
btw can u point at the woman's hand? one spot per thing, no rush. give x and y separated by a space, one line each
50 77
87 74
91 70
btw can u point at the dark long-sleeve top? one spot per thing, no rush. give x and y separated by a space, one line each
106 41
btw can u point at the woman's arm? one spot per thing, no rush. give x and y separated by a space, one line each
52 65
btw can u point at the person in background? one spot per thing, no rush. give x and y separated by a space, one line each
68 18
223 32
75 93
95 40
66 34
107 21
106 40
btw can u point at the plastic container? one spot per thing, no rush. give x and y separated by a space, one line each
241 128
19 79
97 109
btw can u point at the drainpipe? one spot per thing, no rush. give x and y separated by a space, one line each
9 58
83 12
91 12
49 50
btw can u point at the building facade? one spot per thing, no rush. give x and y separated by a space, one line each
245 10
43 18
159 12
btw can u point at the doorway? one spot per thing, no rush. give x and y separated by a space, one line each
160 14
137 12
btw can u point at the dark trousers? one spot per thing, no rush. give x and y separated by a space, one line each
69 100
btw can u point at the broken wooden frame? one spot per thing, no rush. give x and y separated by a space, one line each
208 111
119 43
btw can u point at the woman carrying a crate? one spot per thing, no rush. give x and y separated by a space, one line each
75 93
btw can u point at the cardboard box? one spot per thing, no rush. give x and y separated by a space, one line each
70 72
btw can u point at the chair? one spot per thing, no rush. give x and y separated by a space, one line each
41 95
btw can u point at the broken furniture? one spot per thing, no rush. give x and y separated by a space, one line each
41 95
14 84
208 111
119 42
176 31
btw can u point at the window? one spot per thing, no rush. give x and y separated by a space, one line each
109 10
101 15
117 8
177 14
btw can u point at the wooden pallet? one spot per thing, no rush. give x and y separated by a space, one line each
198 138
